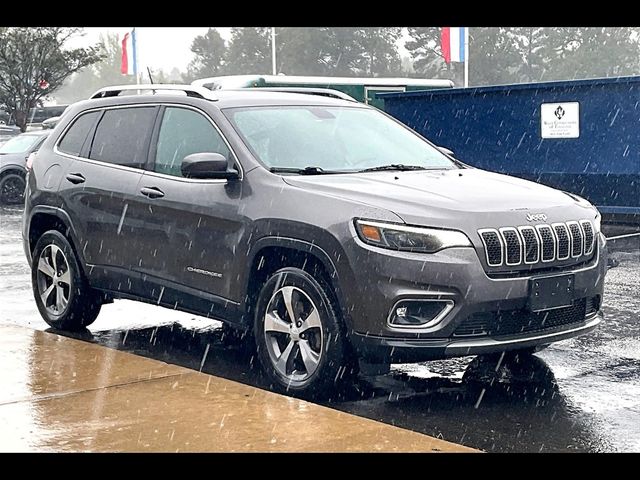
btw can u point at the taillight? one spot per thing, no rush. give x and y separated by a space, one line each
30 159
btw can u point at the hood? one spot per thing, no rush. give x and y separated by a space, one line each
19 159
450 198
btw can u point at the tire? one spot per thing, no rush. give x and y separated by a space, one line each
70 304
315 346
12 187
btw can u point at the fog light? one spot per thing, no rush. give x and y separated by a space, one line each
419 313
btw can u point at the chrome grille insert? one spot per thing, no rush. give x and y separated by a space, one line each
548 240
492 246
564 242
576 239
531 244
512 244
589 236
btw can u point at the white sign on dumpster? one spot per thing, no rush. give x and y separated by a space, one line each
560 120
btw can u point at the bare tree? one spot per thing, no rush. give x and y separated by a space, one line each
34 63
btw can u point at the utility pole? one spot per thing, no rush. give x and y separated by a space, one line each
273 51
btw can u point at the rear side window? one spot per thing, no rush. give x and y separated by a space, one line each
182 133
73 140
122 136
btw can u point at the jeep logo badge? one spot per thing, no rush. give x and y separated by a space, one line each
536 217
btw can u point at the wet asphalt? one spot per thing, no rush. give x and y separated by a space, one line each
580 395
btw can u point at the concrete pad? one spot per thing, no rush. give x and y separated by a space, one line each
61 394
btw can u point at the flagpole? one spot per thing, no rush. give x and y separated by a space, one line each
134 43
273 51
466 57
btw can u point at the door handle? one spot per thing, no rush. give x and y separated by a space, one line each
76 178
152 192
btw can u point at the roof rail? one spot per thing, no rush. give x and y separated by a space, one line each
325 92
190 90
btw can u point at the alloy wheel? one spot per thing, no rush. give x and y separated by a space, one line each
293 333
54 280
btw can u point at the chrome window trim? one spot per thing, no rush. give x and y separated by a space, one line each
520 243
524 247
426 326
569 238
486 250
573 222
555 240
57 151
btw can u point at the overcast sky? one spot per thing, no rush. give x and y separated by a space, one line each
159 47
164 48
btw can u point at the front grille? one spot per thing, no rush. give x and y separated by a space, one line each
543 243
513 322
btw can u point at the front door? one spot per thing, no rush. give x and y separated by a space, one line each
192 226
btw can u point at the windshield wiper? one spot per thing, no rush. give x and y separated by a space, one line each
394 166
302 171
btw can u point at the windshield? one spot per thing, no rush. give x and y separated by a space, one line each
20 144
333 139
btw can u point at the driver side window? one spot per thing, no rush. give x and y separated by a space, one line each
183 132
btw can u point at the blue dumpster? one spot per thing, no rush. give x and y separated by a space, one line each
581 136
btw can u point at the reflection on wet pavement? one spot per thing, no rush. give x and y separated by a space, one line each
69 395
578 395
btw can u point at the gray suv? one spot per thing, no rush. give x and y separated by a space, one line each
330 233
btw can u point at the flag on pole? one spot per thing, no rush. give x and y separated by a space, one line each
129 55
453 42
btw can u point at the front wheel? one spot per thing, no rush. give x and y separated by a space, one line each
63 296
299 337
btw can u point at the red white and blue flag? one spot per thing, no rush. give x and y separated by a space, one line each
453 44
129 61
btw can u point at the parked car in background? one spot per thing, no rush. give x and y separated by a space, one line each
50 123
38 115
13 164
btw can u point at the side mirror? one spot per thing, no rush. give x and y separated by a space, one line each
446 151
207 165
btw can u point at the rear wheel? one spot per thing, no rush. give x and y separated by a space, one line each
63 296
298 334
12 187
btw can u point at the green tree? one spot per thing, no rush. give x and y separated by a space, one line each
31 56
209 53
302 50
378 51
249 51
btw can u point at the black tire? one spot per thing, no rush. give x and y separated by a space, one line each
333 366
12 187
83 303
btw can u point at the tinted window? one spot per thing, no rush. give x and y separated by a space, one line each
182 133
121 136
74 138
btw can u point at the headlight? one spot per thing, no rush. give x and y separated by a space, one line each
412 239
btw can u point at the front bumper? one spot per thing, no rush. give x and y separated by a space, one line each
384 277
394 350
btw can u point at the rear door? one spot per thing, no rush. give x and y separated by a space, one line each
99 186
193 226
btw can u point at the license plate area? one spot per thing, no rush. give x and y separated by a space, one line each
546 293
